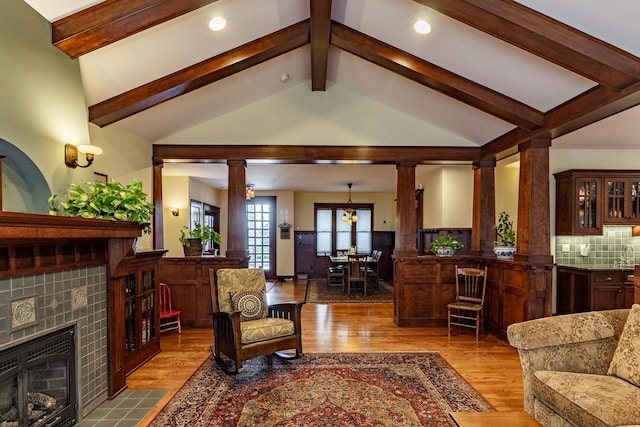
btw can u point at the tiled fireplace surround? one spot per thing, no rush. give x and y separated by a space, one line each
76 297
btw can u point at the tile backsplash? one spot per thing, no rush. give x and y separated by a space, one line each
616 248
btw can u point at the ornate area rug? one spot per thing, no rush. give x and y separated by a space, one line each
318 292
340 389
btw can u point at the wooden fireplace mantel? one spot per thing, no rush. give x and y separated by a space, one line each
18 227
34 244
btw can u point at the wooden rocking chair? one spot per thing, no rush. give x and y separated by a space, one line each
244 326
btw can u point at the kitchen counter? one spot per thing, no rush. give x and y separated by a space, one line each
589 287
595 267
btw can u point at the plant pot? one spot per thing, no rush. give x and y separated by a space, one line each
194 248
504 252
446 251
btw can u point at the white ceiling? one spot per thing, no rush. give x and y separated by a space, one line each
355 88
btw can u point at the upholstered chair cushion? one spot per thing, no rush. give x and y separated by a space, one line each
626 359
266 329
252 305
588 400
231 281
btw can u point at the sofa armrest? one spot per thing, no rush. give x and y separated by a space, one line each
580 342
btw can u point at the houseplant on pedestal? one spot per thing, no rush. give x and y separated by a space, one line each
446 245
192 240
505 244
111 201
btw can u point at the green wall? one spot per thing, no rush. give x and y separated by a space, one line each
42 104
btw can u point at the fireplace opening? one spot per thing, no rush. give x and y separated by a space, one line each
37 382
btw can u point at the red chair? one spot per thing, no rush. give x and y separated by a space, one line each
169 318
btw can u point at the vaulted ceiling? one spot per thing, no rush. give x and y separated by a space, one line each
490 75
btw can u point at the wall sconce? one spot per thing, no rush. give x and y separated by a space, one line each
174 211
71 154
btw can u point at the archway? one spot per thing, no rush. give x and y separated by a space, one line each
24 188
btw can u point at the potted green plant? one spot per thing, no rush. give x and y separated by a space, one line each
192 239
505 244
112 201
446 245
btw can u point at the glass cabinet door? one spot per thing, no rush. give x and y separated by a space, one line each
140 310
634 199
148 306
615 208
131 326
622 203
587 198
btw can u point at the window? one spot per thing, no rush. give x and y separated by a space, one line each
261 229
206 215
324 231
333 234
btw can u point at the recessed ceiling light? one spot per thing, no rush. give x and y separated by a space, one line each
217 23
422 27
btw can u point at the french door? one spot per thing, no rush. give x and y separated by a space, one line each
261 227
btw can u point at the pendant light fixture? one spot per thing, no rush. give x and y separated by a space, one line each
350 215
250 193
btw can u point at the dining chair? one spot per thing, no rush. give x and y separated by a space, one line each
466 310
373 268
357 272
335 274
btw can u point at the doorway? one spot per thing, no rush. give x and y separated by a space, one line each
261 228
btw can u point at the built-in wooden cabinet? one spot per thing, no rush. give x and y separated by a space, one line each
141 310
580 290
423 286
188 279
587 199
578 203
622 200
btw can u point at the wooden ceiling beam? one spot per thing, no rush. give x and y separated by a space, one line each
545 37
320 34
309 154
199 75
595 104
434 77
113 20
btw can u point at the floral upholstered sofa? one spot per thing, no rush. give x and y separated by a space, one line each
581 369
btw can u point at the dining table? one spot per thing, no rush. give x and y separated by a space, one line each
369 267
343 259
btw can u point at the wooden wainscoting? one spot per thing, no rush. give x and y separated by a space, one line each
188 279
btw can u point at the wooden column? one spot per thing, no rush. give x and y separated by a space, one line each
533 232
533 235
484 207
237 220
158 214
406 210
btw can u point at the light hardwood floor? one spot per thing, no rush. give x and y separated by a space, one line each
491 366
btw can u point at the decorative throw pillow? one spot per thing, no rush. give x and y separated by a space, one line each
626 359
252 305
